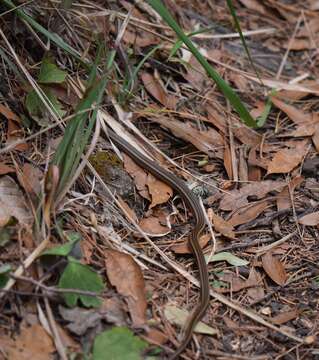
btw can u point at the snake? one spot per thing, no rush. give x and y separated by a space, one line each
193 204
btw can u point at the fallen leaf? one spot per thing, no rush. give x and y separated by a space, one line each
160 192
236 199
284 197
255 292
284 317
30 178
208 141
155 88
184 247
309 219
274 268
236 283
155 336
226 256
14 134
299 117
12 203
6 169
247 213
315 139
178 316
8 114
32 343
153 227
220 225
286 160
124 273
139 176
228 162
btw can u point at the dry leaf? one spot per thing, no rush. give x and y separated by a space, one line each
30 178
297 116
284 317
274 268
236 282
255 292
139 176
15 133
210 141
286 160
160 192
153 227
236 199
155 88
32 343
310 219
222 226
155 336
8 114
12 203
6 169
248 213
315 139
184 247
284 197
227 162
128 209
124 273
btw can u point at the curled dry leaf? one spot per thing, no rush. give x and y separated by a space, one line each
238 198
12 202
155 88
153 227
159 191
209 141
255 292
274 268
310 219
124 273
286 160
284 197
285 316
30 178
32 343
248 213
222 226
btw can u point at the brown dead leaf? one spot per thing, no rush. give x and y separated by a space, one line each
124 273
155 336
209 141
222 226
299 117
248 213
12 202
6 169
274 268
155 88
315 139
284 317
127 208
284 197
15 133
8 114
30 178
139 176
32 343
160 192
255 292
184 248
310 219
255 6
286 160
227 162
236 282
236 199
153 227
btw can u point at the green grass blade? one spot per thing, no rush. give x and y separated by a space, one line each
228 92
242 38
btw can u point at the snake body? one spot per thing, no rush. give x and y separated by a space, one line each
193 204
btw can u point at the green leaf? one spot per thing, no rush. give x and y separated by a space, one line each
80 277
38 111
4 277
118 343
50 73
226 256
65 249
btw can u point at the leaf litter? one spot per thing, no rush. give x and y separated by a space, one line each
259 186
